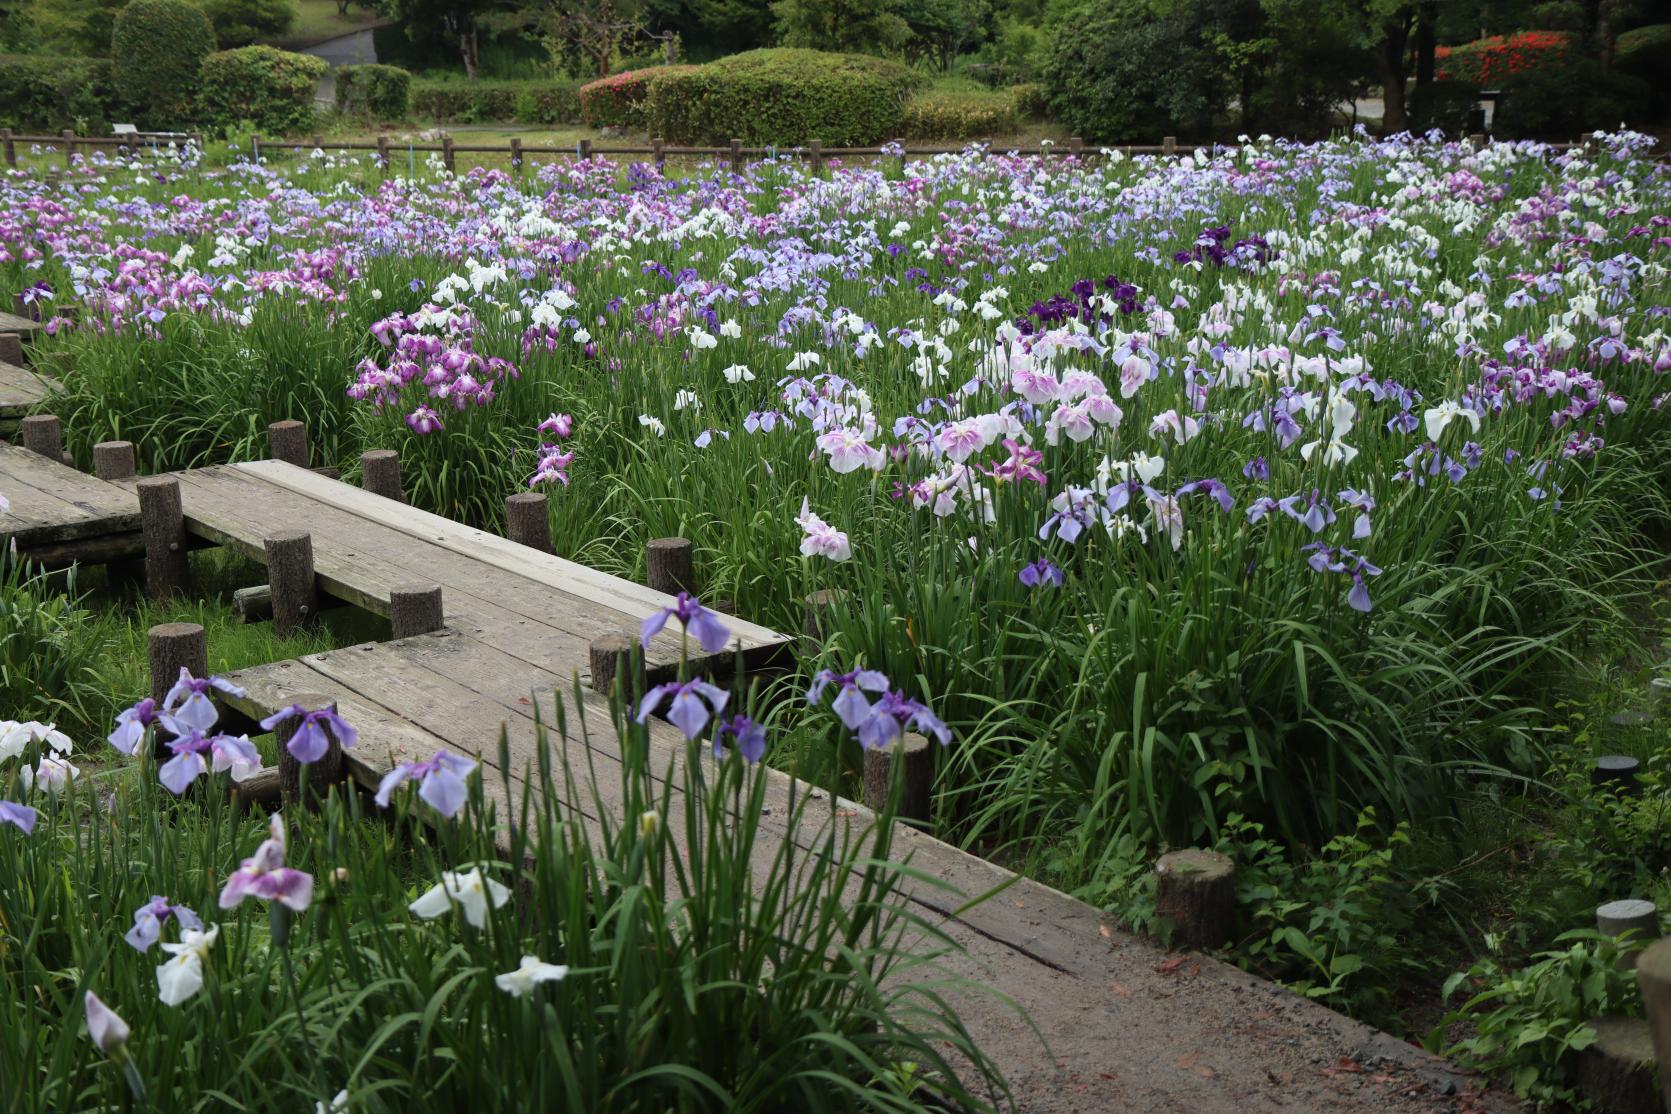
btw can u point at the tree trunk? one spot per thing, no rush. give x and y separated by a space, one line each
467 50
1389 63
1426 42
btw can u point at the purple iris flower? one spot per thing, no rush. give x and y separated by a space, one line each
131 724
264 876
190 745
1212 487
1261 507
1364 502
749 738
188 701
850 704
148 918
893 714
441 782
309 742
1042 571
1257 469
1314 517
710 633
689 710
20 816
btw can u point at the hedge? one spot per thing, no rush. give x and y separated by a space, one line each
529 102
1644 51
270 88
1028 98
381 92
617 101
47 93
1492 61
781 96
958 115
157 51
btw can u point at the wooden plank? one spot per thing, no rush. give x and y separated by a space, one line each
51 502
565 576
23 326
22 389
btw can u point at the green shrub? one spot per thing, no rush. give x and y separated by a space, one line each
617 101
157 50
242 22
42 92
782 96
534 102
1102 79
1643 51
1028 99
958 115
1569 100
381 92
1451 106
271 88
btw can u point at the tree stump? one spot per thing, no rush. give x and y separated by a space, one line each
1617 1071
910 757
162 523
43 434
415 609
1653 976
527 521
816 606
1196 891
115 460
1633 915
169 648
290 576
380 474
288 441
321 775
1616 770
610 656
669 565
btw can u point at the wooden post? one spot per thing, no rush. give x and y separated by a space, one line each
10 146
583 150
290 576
816 147
1633 915
1169 145
1616 770
163 525
169 648
383 152
657 148
11 349
516 153
816 606
447 152
415 609
736 156
1196 890
609 655
1653 978
380 474
1076 146
668 565
910 757
527 522
255 148
318 143
288 441
43 434
901 143
1477 142
321 775
115 460
69 147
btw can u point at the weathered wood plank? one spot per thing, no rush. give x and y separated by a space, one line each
51 502
22 389
573 579
22 326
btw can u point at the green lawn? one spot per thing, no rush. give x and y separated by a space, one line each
318 20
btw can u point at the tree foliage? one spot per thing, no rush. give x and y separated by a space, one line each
243 22
843 26
157 48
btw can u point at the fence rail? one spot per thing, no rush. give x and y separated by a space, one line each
659 150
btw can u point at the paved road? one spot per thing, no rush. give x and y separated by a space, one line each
347 50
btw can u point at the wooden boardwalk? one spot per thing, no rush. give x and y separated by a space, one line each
1125 1025
22 390
59 515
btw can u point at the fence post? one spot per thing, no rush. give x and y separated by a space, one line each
583 150
447 153
1076 145
115 460
516 153
1169 145
383 153
415 609
43 434
163 525
656 149
69 147
668 565
290 577
380 474
527 521
10 146
736 156
901 143
287 440
197 142
817 149
255 148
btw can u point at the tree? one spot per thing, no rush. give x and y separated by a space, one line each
243 22
1382 26
598 31
460 19
943 29
849 26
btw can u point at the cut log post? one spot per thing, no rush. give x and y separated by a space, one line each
290 576
583 150
816 606
1076 146
169 648
669 565
383 153
415 609
736 156
516 154
8 146
1477 141
447 153
1169 145
380 474
657 153
1196 891
816 150
68 135
162 523
1617 771
610 655
11 349
261 789
43 434
1631 915
115 460
527 521
288 441
1616 1073
253 604
1653 977
321 775
909 757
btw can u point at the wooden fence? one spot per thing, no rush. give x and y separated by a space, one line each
71 141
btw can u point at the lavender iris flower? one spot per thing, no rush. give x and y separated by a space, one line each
850 704
893 714
264 876
1212 487
131 724
190 745
148 918
1314 517
710 633
21 817
748 736
1042 571
690 707
188 701
309 742
441 781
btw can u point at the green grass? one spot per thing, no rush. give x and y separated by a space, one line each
318 20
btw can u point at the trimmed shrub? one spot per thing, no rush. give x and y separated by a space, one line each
242 22
270 88
45 93
617 101
1126 73
1451 106
1569 100
1643 51
1028 99
958 115
381 92
157 50
1493 61
781 96
531 102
